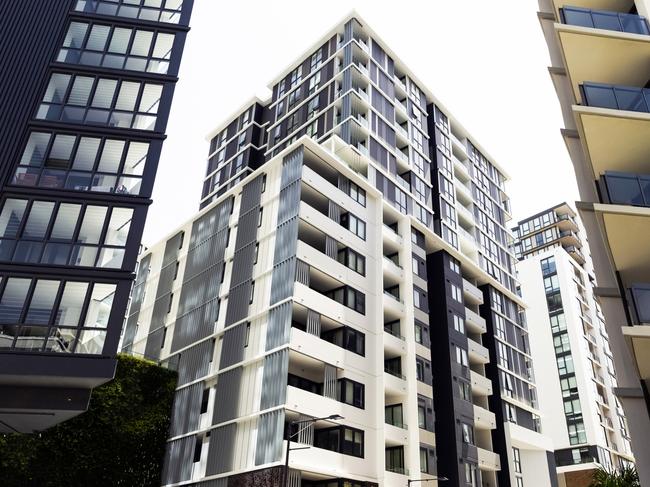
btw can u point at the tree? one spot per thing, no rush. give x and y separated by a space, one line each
626 476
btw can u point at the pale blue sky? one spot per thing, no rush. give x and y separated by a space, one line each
487 63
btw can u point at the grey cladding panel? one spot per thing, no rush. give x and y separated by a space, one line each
178 460
195 362
232 350
220 454
186 410
227 395
279 326
154 344
238 302
269 437
242 264
274 379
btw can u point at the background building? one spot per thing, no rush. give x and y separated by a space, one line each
567 334
600 71
351 257
86 92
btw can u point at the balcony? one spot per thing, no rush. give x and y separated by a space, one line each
481 385
569 237
474 322
627 189
602 19
488 460
617 97
471 293
477 353
484 419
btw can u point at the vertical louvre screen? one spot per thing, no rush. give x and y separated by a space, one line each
329 383
274 379
313 323
269 437
279 326
178 460
302 272
220 454
227 394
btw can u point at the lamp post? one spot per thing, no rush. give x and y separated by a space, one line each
440 479
307 423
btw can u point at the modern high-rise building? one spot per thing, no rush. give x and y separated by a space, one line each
599 67
86 91
351 258
580 413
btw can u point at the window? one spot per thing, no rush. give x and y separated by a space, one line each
247 334
465 390
419 369
314 82
260 217
454 265
424 460
53 160
50 327
516 459
422 417
461 356
64 233
122 104
353 260
340 439
565 365
351 392
252 292
420 332
312 129
346 338
393 415
316 60
456 293
357 193
467 433
459 324
354 224
170 302
154 11
86 44
349 297
204 401
577 433
312 107
395 459
471 475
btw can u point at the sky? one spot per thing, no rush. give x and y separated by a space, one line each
486 65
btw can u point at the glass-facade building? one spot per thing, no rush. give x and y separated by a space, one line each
87 88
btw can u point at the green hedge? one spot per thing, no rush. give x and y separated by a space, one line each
119 441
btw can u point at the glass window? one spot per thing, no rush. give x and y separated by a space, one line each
40 306
34 153
92 225
150 98
71 304
66 221
118 228
80 90
11 217
99 308
127 96
38 220
13 299
104 92
57 87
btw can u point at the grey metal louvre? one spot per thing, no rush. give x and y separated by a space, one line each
177 466
242 264
195 362
227 394
232 350
284 276
186 409
270 429
279 325
137 296
274 379
221 451
238 302
302 272
313 323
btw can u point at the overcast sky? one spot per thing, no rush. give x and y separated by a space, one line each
486 63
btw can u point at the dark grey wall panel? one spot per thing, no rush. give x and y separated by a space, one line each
186 410
274 379
220 454
227 394
269 437
178 460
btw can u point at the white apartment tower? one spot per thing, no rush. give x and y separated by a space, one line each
570 347
351 259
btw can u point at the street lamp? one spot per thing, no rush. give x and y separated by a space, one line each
440 479
308 423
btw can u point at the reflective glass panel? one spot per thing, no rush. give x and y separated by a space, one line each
71 304
40 306
99 308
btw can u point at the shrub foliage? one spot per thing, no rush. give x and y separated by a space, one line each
119 441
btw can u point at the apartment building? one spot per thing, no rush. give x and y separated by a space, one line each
86 92
568 334
351 262
599 69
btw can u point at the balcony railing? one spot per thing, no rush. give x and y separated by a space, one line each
602 19
641 302
617 97
627 189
